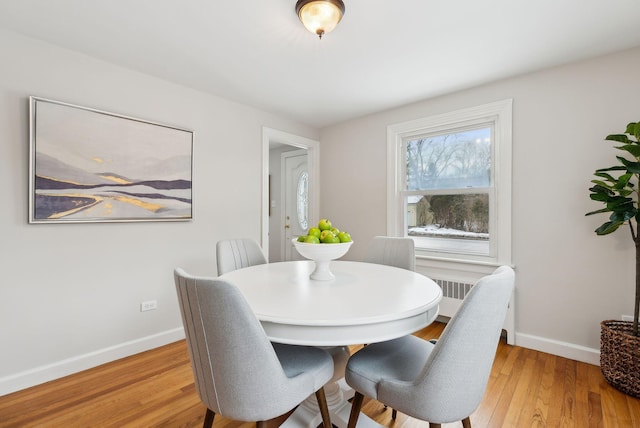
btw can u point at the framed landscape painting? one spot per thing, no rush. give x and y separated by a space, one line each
88 165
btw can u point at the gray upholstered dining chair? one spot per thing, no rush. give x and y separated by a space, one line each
238 373
392 251
232 254
442 382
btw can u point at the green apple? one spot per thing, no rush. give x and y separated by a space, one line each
326 236
324 224
314 231
344 237
311 239
332 239
301 238
335 230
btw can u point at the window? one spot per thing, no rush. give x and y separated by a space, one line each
450 184
302 200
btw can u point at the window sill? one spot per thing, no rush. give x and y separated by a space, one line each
455 268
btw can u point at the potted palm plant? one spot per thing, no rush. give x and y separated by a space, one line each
618 188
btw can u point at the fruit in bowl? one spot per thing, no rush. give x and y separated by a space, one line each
326 234
328 245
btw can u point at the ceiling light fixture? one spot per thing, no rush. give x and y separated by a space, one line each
320 16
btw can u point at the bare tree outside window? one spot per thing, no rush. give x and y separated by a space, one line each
451 172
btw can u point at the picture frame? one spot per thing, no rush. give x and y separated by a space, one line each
89 165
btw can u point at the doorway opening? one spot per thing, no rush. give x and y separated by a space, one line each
285 172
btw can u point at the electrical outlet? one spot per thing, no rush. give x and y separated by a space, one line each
149 305
627 318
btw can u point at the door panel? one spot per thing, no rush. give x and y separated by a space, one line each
296 200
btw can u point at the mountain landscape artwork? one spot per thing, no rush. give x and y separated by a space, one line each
92 166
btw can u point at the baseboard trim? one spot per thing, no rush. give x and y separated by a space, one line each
38 375
556 347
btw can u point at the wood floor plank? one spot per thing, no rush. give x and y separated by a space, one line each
567 415
523 389
595 411
543 398
608 403
530 414
622 410
583 408
155 389
512 370
556 400
634 410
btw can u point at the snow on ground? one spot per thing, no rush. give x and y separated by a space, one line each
435 230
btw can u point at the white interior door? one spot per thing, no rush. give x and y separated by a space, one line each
296 200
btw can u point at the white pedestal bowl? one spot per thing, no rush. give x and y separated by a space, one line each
322 254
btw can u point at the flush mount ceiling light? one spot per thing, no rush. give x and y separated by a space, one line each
320 16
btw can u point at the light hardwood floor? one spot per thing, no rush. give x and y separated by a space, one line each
155 389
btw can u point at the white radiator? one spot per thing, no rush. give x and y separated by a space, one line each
453 289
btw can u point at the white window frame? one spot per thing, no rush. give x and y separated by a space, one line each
499 114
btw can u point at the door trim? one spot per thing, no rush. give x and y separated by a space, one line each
270 135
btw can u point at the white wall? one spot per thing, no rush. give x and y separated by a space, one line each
70 293
568 279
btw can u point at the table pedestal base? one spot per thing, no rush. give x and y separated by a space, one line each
307 415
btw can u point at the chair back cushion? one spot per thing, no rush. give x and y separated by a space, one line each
235 254
391 251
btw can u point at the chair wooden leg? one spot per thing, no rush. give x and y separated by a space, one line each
432 425
208 418
394 412
356 405
324 409
466 422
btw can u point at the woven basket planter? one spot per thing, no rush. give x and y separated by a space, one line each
620 356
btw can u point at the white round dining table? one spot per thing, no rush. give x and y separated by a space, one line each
364 303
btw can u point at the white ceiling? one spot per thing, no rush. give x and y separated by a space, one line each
383 54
